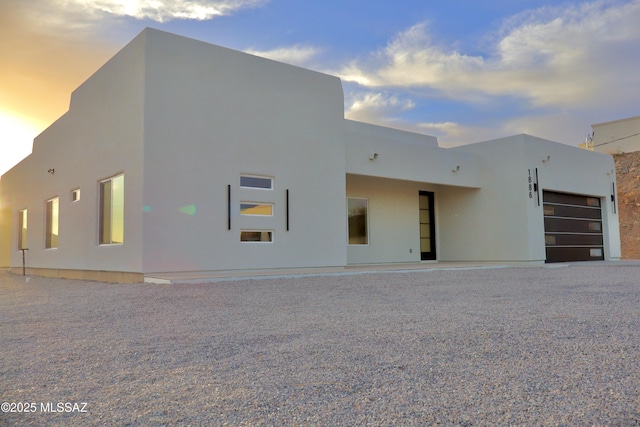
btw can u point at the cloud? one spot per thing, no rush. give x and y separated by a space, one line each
164 10
375 107
297 55
41 65
562 57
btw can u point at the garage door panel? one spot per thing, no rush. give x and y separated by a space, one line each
572 211
573 227
570 199
552 239
574 254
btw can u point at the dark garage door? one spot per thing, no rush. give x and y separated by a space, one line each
572 227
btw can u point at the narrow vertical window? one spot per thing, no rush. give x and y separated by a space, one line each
22 229
51 228
75 195
112 211
357 218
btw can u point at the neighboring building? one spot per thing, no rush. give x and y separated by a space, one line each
619 136
181 156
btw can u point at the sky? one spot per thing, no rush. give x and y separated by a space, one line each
461 70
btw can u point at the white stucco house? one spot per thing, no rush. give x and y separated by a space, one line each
181 156
615 137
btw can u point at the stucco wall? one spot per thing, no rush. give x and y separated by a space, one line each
213 114
510 224
393 219
407 156
619 136
100 136
491 223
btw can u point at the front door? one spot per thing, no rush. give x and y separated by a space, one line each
427 226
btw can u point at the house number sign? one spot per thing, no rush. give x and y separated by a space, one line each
533 185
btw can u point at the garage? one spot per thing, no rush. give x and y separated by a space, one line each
572 227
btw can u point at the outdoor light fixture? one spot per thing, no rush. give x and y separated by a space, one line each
373 156
456 169
52 171
546 160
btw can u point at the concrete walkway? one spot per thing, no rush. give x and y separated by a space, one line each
235 275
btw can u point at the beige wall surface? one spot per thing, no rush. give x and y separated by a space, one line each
214 114
100 136
393 219
183 120
388 153
619 136
506 215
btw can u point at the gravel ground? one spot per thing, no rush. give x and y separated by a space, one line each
504 346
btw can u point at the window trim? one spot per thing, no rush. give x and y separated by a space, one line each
101 210
269 178
366 222
23 228
257 204
49 241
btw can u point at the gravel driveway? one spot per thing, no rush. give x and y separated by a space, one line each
503 346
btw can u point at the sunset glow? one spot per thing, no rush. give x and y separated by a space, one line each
462 71
17 136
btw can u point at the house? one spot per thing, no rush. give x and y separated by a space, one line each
181 156
618 136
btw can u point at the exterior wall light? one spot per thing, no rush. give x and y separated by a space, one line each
52 171
546 160
456 169
373 156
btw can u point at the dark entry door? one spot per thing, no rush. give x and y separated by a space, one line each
427 226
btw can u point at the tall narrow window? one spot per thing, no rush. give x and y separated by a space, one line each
51 237
112 211
22 229
357 216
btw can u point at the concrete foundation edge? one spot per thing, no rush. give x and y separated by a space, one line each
93 275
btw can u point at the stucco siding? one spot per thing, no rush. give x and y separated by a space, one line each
505 191
388 153
214 114
619 136
100 136
393 219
